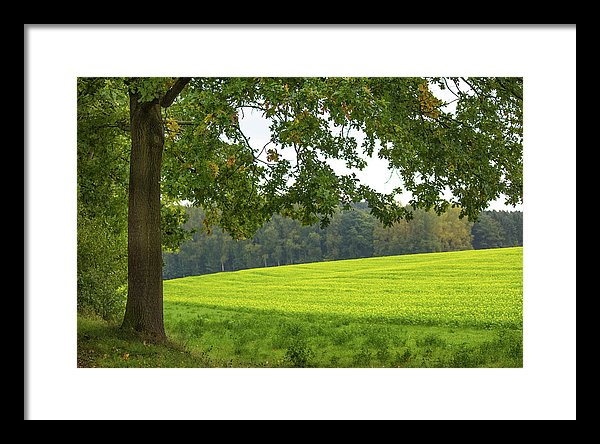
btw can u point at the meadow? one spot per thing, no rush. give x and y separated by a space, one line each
457 309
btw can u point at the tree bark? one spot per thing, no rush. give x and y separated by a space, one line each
144 309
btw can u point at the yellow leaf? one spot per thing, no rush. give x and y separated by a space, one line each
214 169
272 155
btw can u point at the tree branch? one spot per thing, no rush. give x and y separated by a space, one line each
241 133
170 96
457 86
471 86
450 89
509 89
263 149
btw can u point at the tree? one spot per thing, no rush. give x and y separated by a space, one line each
391 241
187 143
144 312
311 247
512 227
269 240
422 237
487 232
496 229
333 240
349 234
452 232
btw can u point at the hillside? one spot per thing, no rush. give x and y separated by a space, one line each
467 288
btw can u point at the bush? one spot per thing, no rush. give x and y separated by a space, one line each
362 358
298 353
101 267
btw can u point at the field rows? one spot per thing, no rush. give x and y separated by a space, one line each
462 289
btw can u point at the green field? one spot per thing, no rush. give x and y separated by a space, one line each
459 309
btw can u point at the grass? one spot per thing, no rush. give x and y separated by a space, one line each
104 344
460 309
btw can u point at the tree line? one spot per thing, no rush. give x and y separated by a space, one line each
350 235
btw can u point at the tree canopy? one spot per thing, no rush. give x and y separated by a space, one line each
474 152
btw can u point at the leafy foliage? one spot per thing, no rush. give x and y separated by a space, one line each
102 180
149 88
101 197
101 266
474 151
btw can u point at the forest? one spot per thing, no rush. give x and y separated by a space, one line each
351 234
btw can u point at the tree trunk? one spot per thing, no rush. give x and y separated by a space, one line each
144 310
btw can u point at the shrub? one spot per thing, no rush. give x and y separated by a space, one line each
298 353
101 268
362 358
